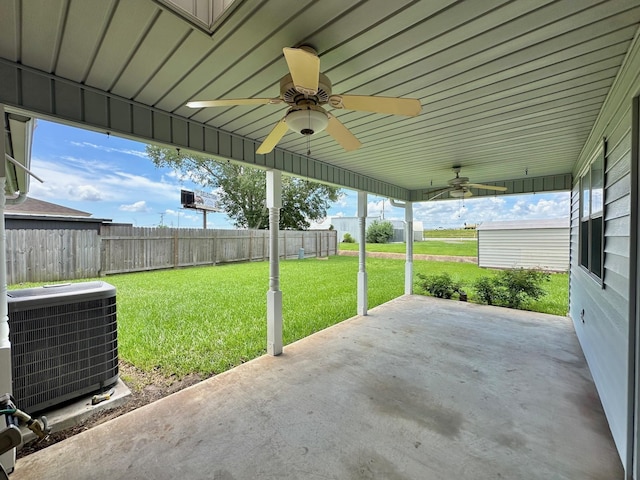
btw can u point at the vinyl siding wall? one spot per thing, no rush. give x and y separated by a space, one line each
600 312
545 248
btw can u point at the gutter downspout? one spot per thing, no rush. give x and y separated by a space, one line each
16 200
408 233
8 459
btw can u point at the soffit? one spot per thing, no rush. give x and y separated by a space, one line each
508 88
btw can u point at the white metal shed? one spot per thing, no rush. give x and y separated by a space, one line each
525 244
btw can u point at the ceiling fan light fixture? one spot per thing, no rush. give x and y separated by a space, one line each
307 120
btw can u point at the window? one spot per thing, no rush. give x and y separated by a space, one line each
591 215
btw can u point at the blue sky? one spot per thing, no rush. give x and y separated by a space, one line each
111 177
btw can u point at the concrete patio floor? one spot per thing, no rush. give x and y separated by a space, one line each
420 389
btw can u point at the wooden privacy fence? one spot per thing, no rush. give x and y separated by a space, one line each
49 255
53 255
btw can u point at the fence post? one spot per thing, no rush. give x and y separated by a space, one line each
215 251
102 248
175 249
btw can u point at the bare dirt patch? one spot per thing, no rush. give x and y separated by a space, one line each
146 387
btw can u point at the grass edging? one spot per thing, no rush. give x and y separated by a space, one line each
206 320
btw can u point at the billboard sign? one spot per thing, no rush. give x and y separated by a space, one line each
200 200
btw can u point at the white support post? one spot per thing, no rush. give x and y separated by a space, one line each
274 295
408 267
362 255
8 459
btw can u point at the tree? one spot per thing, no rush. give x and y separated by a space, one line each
379 232
243 190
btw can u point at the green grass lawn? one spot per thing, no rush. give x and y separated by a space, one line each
450 233
457 248
208 319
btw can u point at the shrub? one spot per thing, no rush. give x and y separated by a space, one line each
379 232
486 290
511 288
347 238
522 285
441 285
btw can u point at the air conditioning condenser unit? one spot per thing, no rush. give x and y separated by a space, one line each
64 342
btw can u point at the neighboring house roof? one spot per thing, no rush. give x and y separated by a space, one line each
32 206
526 224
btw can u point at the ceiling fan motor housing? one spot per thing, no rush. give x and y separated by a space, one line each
292 96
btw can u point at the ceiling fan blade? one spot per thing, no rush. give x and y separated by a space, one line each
342 135
230 102
391 105
439 193
305 69
486 187
273 138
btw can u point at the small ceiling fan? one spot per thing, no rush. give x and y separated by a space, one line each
305 90
459 187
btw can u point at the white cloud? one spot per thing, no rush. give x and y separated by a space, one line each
188 216
342 201
74 179
140 206
374 209
126 151
87 193
455 213
548 208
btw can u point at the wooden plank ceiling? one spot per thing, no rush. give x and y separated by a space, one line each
506 87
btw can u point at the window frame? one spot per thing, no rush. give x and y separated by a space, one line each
589 220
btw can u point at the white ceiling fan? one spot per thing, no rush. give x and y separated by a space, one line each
459 187
305 90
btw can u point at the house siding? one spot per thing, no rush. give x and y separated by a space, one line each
533 247
600 313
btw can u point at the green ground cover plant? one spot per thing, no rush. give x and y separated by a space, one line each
465 275
439 285
348 238
461 248
514 288
207 320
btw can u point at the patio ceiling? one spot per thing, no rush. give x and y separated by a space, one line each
509 89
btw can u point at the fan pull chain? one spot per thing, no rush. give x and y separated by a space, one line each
309 137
